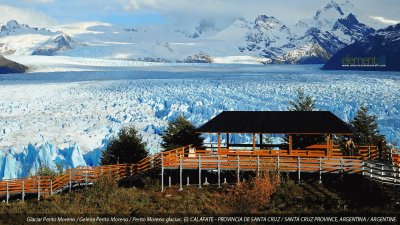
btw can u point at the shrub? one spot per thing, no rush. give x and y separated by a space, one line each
255 194
128 147
181 132
46 171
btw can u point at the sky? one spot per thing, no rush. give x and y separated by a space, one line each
45 13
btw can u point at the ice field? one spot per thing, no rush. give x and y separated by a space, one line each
67 118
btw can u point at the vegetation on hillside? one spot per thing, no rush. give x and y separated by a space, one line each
271 194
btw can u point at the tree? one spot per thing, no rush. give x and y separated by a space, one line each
46 171
367 133
128 147
303 102
366 128
181 132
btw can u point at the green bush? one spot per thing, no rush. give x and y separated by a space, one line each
46 171
128 147
181 132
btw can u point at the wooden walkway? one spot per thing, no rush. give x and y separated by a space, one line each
187 158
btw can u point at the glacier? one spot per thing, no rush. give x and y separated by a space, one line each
68 118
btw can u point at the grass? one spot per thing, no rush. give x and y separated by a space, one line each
351 195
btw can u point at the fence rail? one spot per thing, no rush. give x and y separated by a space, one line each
44 185
189 158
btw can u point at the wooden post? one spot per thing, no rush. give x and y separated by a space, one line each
370 171
258 165
369 152
7 194
187 181
328 152
341 167
279 162
362 168
238 168
320 170
219 171
51 187
254 142
23 190
169 181
70 180
38 192
219 143
290 144
261 140
180 173
200 169
398 175
227 140
162 172
86 177
298 168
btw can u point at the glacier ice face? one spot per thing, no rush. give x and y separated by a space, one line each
68 118
26 162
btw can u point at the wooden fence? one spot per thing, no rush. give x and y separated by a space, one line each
189 158
80 176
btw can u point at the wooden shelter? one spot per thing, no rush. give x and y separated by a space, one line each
289 123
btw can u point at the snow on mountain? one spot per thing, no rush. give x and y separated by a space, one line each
350 30
268 36
332 28
380 51
20 39
67 118
54 45
235 32
313 40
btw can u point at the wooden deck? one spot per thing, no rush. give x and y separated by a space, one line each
187 158
248 160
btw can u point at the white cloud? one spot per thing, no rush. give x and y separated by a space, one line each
289 11
39 1
25 16
385 20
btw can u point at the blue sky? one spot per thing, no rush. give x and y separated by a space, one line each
144 12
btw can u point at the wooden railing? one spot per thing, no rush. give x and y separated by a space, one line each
83 176
396 157
381 172
361 152
272 160
228 159
254 163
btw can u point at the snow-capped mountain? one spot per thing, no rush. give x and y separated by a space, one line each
377 51
268 37
332 28
21 39
263 39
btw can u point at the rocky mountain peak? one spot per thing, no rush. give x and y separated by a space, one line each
267 22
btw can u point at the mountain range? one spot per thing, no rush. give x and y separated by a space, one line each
377 51
264 40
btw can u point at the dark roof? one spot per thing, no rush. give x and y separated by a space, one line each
276 122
